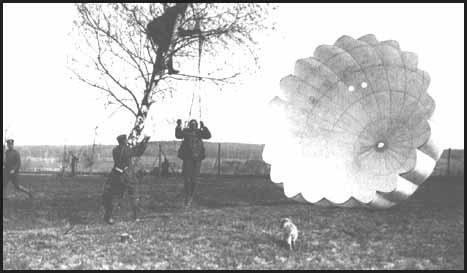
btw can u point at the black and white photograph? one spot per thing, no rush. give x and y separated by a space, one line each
233 136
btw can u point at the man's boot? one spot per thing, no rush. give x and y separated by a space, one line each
135 208
170 67
108 218
187 201
190 201
192 192
135 213
107 202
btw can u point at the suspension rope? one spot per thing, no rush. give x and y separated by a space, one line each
200 51
191 105
198 91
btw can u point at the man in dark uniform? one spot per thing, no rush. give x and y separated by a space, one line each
11 169
122 177
192 153
74 161
165 168
160 30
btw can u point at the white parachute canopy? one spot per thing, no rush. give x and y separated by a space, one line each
354 126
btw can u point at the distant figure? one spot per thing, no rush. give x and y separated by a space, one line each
11 169
122 178
140 174
74 161
165 168
192 153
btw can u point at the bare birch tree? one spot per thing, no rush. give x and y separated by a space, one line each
116 56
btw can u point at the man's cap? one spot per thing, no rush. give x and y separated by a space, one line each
10 141
120 138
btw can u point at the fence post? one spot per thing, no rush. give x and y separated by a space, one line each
218 159
160 159
93 159
449 163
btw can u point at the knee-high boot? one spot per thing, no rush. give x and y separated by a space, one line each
108 206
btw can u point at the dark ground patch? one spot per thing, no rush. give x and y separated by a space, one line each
233 225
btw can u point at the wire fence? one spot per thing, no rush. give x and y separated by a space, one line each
221 159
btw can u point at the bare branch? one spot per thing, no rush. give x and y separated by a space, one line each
116 35
107 90
192 77
107 72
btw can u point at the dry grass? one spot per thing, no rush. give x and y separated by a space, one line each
233 225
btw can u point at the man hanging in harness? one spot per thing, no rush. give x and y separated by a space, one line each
122 177
161 29
192 153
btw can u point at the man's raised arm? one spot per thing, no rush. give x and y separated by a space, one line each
178 130
205 133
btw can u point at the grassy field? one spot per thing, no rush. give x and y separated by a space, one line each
232 225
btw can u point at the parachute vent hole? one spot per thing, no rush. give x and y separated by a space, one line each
364 85
351 88
380 146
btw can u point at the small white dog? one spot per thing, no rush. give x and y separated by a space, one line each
290 232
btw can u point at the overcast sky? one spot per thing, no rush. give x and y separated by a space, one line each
42 104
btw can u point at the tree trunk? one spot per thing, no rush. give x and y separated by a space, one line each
158 69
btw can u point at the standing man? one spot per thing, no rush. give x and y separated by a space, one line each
12 165
74 161
165 168
122 177
192 153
